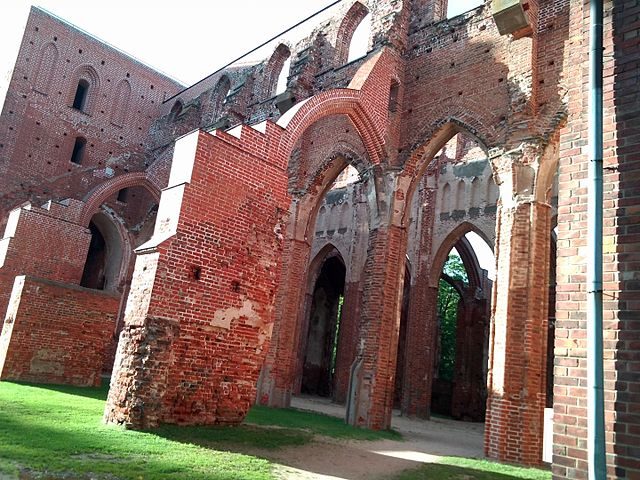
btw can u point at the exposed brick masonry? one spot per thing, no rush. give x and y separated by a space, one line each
56 333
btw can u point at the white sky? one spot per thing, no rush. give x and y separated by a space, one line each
188 39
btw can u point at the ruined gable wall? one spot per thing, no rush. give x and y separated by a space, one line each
39 125
316 66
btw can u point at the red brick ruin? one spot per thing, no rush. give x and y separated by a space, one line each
213 246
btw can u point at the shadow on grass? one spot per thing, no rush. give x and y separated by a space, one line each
63 435
316 423
59 450
238 439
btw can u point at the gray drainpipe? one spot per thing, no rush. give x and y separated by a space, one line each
595 377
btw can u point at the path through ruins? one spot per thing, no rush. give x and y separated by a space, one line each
424 441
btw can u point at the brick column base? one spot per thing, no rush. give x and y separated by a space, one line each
517 363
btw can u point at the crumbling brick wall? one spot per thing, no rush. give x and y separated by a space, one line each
43 242
200 312
56 333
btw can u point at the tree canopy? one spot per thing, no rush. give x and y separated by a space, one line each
448 299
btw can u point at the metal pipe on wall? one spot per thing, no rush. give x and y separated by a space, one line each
595 376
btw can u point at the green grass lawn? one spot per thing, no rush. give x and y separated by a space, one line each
456 468
60 429
317 423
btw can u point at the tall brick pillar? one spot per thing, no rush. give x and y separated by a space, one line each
518 338
467 397
379 326
421 321
278 375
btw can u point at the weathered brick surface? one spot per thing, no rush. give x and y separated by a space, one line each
43 242
56 333
39 125
621 251
200 312
517 383
394 116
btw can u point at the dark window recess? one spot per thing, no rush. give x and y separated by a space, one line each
80 100
176 110
93 275
123 195
393 97
78 150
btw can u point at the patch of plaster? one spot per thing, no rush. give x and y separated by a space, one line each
223 318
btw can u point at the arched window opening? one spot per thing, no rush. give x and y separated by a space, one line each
123 195
345 217
93 275
176 110
321 220
350 46
359 44
82 93
394 91
283 77
219 98
445 200
474 197
448 299
484 254
46 67
78 150
455 8
462 348
102 266
460 196
320 360
121 103
348 176
276 71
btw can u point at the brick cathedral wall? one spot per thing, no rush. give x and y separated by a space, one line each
56 333
212 302
621 248
39 125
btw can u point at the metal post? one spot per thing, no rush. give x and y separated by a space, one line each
595 376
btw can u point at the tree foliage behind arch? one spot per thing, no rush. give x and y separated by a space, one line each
448 299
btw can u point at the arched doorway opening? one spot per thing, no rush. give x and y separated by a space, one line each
401 356
318 214
322 343
329 331
463 313
104 258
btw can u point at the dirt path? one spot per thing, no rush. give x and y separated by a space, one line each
424 441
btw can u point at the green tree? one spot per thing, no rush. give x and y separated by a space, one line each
448 299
